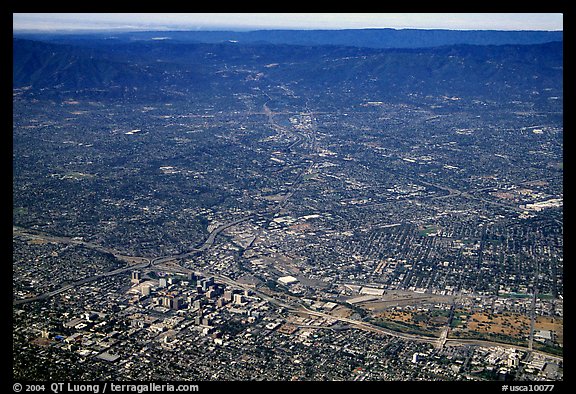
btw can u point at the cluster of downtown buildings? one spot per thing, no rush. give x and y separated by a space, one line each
268 230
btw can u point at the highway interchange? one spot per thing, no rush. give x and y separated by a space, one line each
135 263
140 262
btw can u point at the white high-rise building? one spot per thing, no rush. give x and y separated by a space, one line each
136 277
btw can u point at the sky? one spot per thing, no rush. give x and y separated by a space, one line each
255 21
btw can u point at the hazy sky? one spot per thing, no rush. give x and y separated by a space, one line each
252 21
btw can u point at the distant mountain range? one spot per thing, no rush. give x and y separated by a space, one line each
367 38
50 66
147 67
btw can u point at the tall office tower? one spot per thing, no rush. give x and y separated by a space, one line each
172 302
238 299
228 294
136 277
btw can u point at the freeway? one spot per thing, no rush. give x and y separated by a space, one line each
290 306
141 262
298 308
206 244
80 282
369 327
438 342
484 343
134 262
38 235
455 192
212 236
